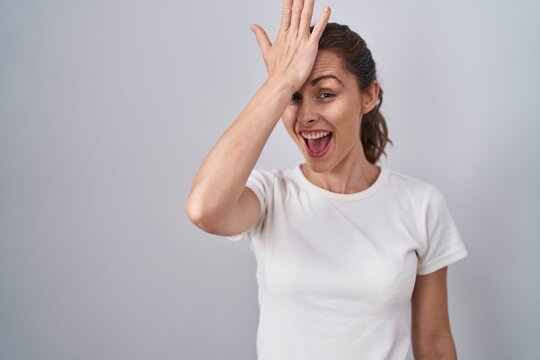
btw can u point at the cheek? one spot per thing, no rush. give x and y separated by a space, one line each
343 118
346 122
290 113
289 117
347 115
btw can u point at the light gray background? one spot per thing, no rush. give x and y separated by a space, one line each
107 108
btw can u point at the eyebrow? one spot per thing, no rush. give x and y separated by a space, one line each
329 76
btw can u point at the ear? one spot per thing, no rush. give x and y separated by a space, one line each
370 98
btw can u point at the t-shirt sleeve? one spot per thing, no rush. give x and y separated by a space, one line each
443 244
260 181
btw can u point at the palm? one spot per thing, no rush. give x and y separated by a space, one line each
293 53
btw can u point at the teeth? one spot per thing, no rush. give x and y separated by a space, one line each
314 135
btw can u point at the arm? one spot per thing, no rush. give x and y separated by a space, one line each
219 201
431 334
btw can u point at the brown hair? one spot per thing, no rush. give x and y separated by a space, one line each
358 61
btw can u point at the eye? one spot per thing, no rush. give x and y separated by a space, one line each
326 95
295 97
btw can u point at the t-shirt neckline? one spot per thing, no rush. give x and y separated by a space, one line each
370 191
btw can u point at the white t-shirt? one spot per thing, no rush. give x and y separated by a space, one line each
335 272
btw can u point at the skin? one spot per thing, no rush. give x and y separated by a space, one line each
220 203
431 333
335 104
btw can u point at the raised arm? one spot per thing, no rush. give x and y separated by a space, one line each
219 202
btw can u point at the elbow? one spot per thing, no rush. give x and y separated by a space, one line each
200 215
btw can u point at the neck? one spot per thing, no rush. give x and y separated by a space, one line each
353 174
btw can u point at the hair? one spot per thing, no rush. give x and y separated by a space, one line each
358 61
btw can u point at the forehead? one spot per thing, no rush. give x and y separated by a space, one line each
328 62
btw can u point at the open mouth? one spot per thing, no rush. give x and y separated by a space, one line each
317 142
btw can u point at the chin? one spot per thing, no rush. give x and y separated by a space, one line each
317 166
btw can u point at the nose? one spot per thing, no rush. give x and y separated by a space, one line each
307 113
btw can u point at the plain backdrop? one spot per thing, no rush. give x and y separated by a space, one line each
107 108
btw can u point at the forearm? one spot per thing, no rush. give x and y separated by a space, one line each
441 347
437 356
225 170
220 181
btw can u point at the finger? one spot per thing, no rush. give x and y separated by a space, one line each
262 38
321 24
305 17
296 12
286 15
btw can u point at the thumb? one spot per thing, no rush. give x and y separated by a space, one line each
262 38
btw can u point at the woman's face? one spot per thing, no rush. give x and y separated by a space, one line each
323 117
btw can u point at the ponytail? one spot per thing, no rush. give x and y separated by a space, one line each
374 132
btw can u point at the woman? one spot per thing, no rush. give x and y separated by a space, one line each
344 248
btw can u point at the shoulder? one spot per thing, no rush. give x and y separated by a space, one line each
274 176
267 182
408 187
424 201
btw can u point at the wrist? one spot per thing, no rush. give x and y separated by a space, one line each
281 85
